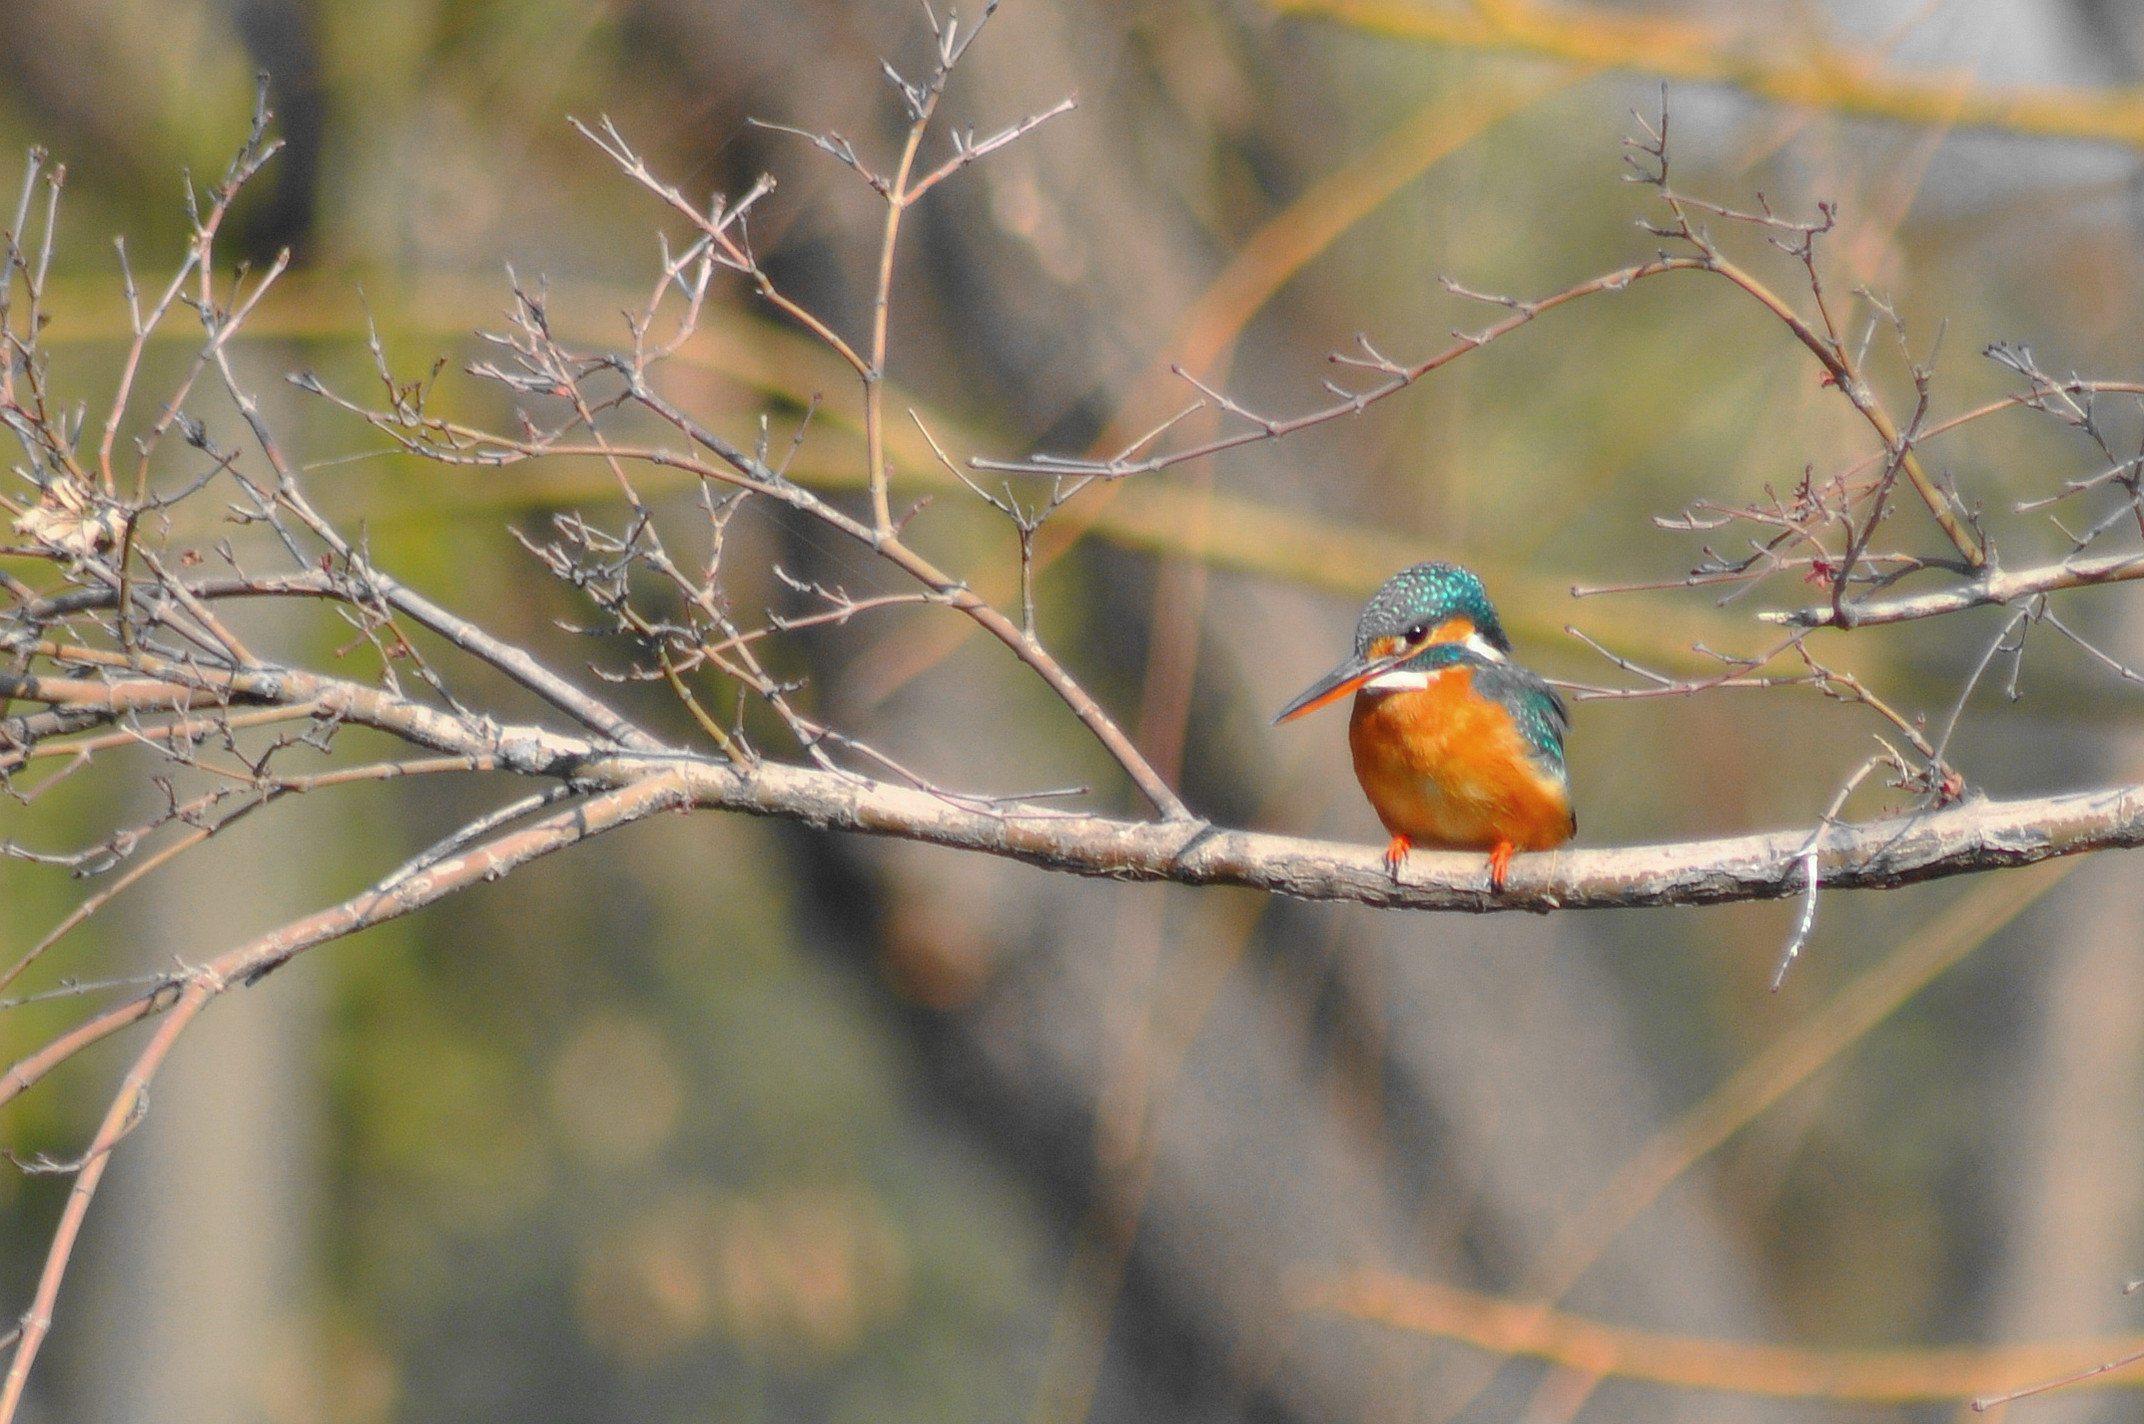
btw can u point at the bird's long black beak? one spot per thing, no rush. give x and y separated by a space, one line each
1337 684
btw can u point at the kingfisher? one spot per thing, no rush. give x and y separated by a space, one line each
1454 743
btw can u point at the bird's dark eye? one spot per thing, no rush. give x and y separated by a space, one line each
1416 633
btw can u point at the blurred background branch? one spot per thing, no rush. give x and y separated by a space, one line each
1816 70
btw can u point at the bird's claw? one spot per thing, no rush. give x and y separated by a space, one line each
1500 866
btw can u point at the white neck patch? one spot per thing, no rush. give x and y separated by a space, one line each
1482 648
1408 680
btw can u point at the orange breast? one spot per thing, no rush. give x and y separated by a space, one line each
1445 767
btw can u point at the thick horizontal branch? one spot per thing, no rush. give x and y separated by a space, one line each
119 695
180 689
1973 835
1991 587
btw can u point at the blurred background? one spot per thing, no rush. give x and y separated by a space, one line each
727 1119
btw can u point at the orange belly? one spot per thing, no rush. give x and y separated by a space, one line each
1444 767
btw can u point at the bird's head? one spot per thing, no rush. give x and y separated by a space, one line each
1424 618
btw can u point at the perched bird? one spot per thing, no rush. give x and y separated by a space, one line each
1455 744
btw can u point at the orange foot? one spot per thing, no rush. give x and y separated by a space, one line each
1396 853
1500 865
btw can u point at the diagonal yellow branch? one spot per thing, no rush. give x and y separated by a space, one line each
1816 75
1594 1347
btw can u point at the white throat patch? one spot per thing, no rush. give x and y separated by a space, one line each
1400 680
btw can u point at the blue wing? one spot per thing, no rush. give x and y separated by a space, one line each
1536 708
